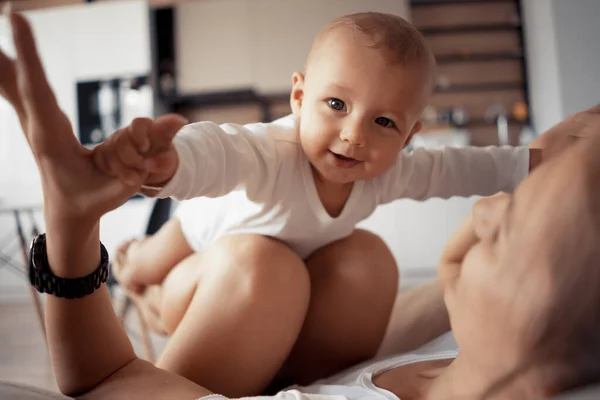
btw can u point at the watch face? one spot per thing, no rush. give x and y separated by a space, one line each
38 253
35 263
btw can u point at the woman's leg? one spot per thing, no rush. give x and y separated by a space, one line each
354 283
235 311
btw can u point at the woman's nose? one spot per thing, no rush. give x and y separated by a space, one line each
487 214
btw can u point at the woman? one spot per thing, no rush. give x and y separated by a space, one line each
521 276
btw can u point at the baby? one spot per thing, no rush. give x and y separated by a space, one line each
282 199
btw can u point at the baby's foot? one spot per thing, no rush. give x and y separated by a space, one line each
124 267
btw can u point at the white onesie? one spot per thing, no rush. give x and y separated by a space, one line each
255 179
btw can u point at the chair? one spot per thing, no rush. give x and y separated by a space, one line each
160 214
23 240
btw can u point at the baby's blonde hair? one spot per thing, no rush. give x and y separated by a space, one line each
396 37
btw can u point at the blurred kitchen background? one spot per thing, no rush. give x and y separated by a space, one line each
508 69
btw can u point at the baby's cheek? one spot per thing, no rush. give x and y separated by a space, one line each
382 160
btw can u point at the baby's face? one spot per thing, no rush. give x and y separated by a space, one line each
356 109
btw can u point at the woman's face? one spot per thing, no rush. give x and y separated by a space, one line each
496 269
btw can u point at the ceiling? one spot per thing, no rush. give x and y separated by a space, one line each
22 5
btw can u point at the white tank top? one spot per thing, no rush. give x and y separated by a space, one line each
357 383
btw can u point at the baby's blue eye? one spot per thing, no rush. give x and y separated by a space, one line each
385 122
337 104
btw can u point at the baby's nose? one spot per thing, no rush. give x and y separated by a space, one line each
354 136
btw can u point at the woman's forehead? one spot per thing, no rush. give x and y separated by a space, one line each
552 211
553 198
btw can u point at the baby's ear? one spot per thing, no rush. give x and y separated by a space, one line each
416 129
297 94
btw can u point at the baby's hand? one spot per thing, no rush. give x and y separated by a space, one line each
145 146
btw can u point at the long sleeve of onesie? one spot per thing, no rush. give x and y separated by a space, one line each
217 159
426 173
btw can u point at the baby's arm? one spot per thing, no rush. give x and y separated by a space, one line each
216 159
202 159
469 171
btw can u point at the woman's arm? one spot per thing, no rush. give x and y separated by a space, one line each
419 316
90 351
87 342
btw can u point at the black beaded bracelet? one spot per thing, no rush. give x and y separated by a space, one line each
44 281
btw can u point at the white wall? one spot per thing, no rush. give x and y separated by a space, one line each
213 46
563 55
282 32
578 44
76 43
416 232
542 63
238 44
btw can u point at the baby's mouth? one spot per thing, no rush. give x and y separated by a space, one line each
342 161
343 158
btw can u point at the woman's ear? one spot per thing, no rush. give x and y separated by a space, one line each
416 128
297 94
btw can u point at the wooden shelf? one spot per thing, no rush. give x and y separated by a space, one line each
458 58
417 3
224 98
479 87
479 122
267 103
485 72
443 30
243 96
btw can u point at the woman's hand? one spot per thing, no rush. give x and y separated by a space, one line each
480 223
455 250
74 188
87 343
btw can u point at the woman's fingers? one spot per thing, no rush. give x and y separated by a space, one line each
36 94
456 249
460 243
8 86
99 158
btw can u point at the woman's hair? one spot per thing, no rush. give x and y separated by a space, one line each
571 334
565 346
